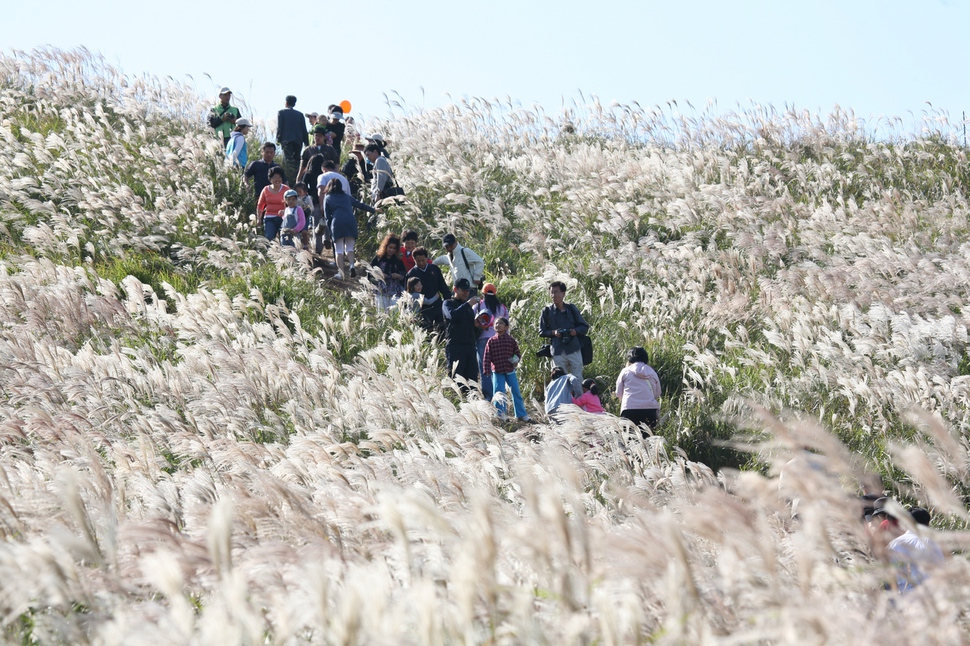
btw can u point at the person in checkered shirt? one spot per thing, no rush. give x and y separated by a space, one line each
501 357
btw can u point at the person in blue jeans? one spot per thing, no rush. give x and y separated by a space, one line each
502 355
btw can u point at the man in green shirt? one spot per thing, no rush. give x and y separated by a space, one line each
223 117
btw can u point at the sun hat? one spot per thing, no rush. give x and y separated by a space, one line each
377 138
243 122
312 114
290 193
489 288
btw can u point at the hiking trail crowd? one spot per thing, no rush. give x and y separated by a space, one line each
320 212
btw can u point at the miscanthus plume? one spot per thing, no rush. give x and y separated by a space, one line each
201 443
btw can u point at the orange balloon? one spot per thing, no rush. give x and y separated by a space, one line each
345 106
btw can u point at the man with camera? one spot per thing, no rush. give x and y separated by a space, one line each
564 325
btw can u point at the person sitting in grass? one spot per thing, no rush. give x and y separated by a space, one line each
589 401
561 389
502 357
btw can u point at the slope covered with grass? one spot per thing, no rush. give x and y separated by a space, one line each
202 442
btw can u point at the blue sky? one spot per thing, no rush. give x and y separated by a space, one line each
879 58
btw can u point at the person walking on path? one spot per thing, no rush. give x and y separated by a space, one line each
236 148
563 324
638 389
338 211
291 135
272 202
502 356
258 169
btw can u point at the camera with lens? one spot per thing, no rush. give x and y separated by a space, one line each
564 334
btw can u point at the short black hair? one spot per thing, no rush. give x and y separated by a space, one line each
559 285
591 386
290 100
269 144
409 235
372 148
276 170
557 372
420 251
329 165
302 185
920 515
637 355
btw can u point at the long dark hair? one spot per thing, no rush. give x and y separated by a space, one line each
491 302
334 187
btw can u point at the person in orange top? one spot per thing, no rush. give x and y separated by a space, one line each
269 208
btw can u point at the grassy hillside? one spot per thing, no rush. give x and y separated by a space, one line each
201 441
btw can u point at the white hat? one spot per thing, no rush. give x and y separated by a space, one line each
225 90
243 122
378 137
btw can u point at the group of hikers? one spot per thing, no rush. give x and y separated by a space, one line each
320 211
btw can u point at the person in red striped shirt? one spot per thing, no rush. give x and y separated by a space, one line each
502 356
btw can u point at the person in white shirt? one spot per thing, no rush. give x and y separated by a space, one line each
462 262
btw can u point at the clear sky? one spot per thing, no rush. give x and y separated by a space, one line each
877 57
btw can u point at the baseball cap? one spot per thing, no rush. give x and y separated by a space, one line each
448 238
462 283
225 90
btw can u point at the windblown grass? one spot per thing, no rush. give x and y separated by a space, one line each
199 443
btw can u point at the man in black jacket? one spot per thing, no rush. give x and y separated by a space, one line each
434 289
291 135
461 332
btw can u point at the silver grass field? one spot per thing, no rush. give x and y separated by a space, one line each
195 463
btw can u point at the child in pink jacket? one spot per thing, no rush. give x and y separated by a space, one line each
589 401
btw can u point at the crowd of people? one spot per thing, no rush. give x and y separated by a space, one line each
336 176
450 297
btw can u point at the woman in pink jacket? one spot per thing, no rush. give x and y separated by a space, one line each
638 389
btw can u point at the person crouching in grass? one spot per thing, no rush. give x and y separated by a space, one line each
500 360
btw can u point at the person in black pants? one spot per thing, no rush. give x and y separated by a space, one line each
291 135
461 333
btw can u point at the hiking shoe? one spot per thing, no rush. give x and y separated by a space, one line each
526 419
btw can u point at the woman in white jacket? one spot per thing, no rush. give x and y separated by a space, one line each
638 389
